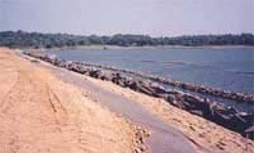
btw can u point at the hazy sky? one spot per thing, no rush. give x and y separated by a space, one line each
107 17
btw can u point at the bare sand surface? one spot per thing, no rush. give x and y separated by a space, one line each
40 113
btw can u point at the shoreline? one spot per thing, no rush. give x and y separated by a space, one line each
198 88
189 86
199 130
223 115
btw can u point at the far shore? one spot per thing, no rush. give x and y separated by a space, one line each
115 47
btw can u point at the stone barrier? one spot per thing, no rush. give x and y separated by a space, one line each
239 97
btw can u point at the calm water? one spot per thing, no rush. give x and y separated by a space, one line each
231 69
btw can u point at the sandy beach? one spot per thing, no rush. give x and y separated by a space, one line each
41 112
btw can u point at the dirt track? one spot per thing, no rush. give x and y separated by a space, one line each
39 113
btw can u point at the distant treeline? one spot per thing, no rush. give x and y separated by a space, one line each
38 40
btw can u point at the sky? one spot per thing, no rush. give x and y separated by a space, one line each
108 17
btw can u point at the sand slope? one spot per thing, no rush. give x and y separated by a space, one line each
39 113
